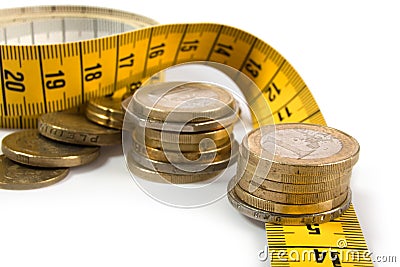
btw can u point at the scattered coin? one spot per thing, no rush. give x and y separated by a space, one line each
31 148
16 176
74 128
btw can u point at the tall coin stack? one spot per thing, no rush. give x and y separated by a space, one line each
181 132
294 174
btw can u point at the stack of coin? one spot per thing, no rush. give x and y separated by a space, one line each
106 111
42 157
181 132
294 174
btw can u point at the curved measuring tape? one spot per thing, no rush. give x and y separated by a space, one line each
117 52
57 57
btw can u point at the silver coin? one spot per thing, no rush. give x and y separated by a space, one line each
132 120
159 177
183 102
184 168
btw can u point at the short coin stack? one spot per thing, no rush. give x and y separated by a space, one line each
181 132
106 111
38 158
294 174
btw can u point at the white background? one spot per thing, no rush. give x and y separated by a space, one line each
348 54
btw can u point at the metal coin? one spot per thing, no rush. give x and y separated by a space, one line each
103 120
183 102
305 178
286 219
207 156
290 198
276 207
76 129
187 127
204 145
15 176
159 177
301 148
185 138
107 106
249 182
184 168
31 148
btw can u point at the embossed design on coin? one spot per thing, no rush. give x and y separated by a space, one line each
15 176
183 102
76 129
302 143
29 147
294 173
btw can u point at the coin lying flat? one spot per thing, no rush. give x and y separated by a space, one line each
184 168
203 145
187 127
159 177
103 120
300 148
276 207
107 106
290 198
16 176
305 178
31 148
186 138
76 129
208 156
285 219
183 102
249 181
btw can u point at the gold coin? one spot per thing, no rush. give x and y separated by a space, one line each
183 102
159 177
184 138
189 127
103 120
208 156
248 181
204 145
290 198
289 208
184 168
15 176
30 148
300 148
305 178
76 129
107 106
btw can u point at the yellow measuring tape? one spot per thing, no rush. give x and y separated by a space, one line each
94 52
